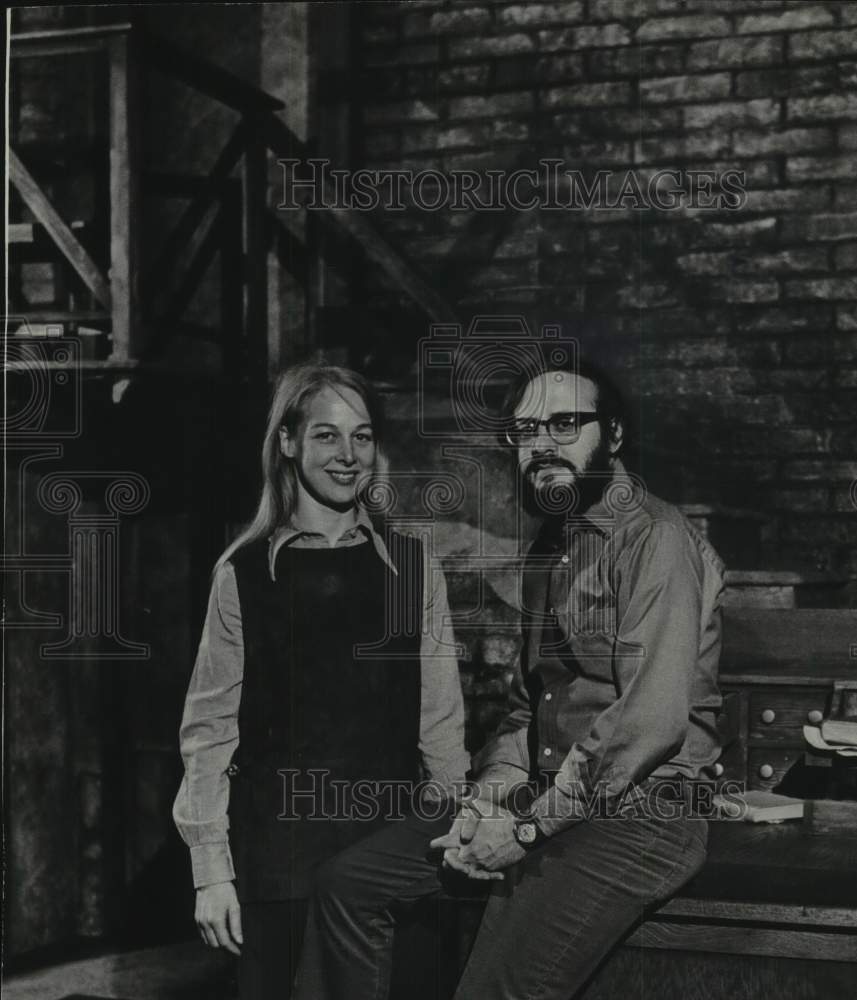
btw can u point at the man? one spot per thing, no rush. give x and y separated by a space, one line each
614 718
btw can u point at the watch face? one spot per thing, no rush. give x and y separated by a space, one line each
526 833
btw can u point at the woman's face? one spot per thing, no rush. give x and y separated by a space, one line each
333 447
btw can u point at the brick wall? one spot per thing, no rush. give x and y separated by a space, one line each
738 330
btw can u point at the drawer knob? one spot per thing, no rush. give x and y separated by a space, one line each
718 769
766 771
814 717
768 716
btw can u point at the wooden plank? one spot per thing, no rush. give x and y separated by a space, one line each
35 199
205 76
106 31
255 181
773 913
121 202
20 232
738 940
211 189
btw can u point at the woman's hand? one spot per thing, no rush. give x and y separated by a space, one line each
218 916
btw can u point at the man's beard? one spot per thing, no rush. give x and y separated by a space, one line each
557 497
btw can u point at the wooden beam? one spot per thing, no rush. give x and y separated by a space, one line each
205 76
64 41
256 254
211 189
38 203
121 201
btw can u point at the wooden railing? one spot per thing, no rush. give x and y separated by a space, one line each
226 213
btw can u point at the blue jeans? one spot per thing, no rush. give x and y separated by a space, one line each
545 928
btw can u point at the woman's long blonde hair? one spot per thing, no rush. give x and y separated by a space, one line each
295 389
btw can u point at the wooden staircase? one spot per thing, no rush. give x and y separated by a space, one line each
133 307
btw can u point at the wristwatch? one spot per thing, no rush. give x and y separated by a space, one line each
528 833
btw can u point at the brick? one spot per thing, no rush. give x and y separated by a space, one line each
471 77
848 13
748 291
636 121
823 44
399 111
847 74
589 36
814 109
538 14
497 45
738 233
489 107
794 18
845 197
706 263
732 114
802 199
814 228
636 61
782 262
802 500
601 10
845 378
463 135
693 145
786 82
587 95
846 318
810 168
765 50
808 469
604 152
795 319
845 257
707 87
696 26
822 288
524 71
459 20
510 130
754 143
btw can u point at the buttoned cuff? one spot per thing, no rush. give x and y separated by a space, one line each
211 863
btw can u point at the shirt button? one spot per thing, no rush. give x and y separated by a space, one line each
547 751
564 560
548 696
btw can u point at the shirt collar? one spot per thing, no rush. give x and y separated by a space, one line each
287 534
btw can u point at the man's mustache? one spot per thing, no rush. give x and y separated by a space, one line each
548 462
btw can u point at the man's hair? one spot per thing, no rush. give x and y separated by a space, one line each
610 404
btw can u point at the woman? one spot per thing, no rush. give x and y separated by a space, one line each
304 682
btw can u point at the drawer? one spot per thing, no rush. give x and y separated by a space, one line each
778 715
766 766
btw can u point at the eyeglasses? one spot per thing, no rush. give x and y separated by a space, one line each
564 428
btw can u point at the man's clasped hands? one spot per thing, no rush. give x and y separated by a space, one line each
481 841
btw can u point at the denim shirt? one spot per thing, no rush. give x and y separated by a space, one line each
622 633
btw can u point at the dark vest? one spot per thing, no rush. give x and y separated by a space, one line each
330 703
